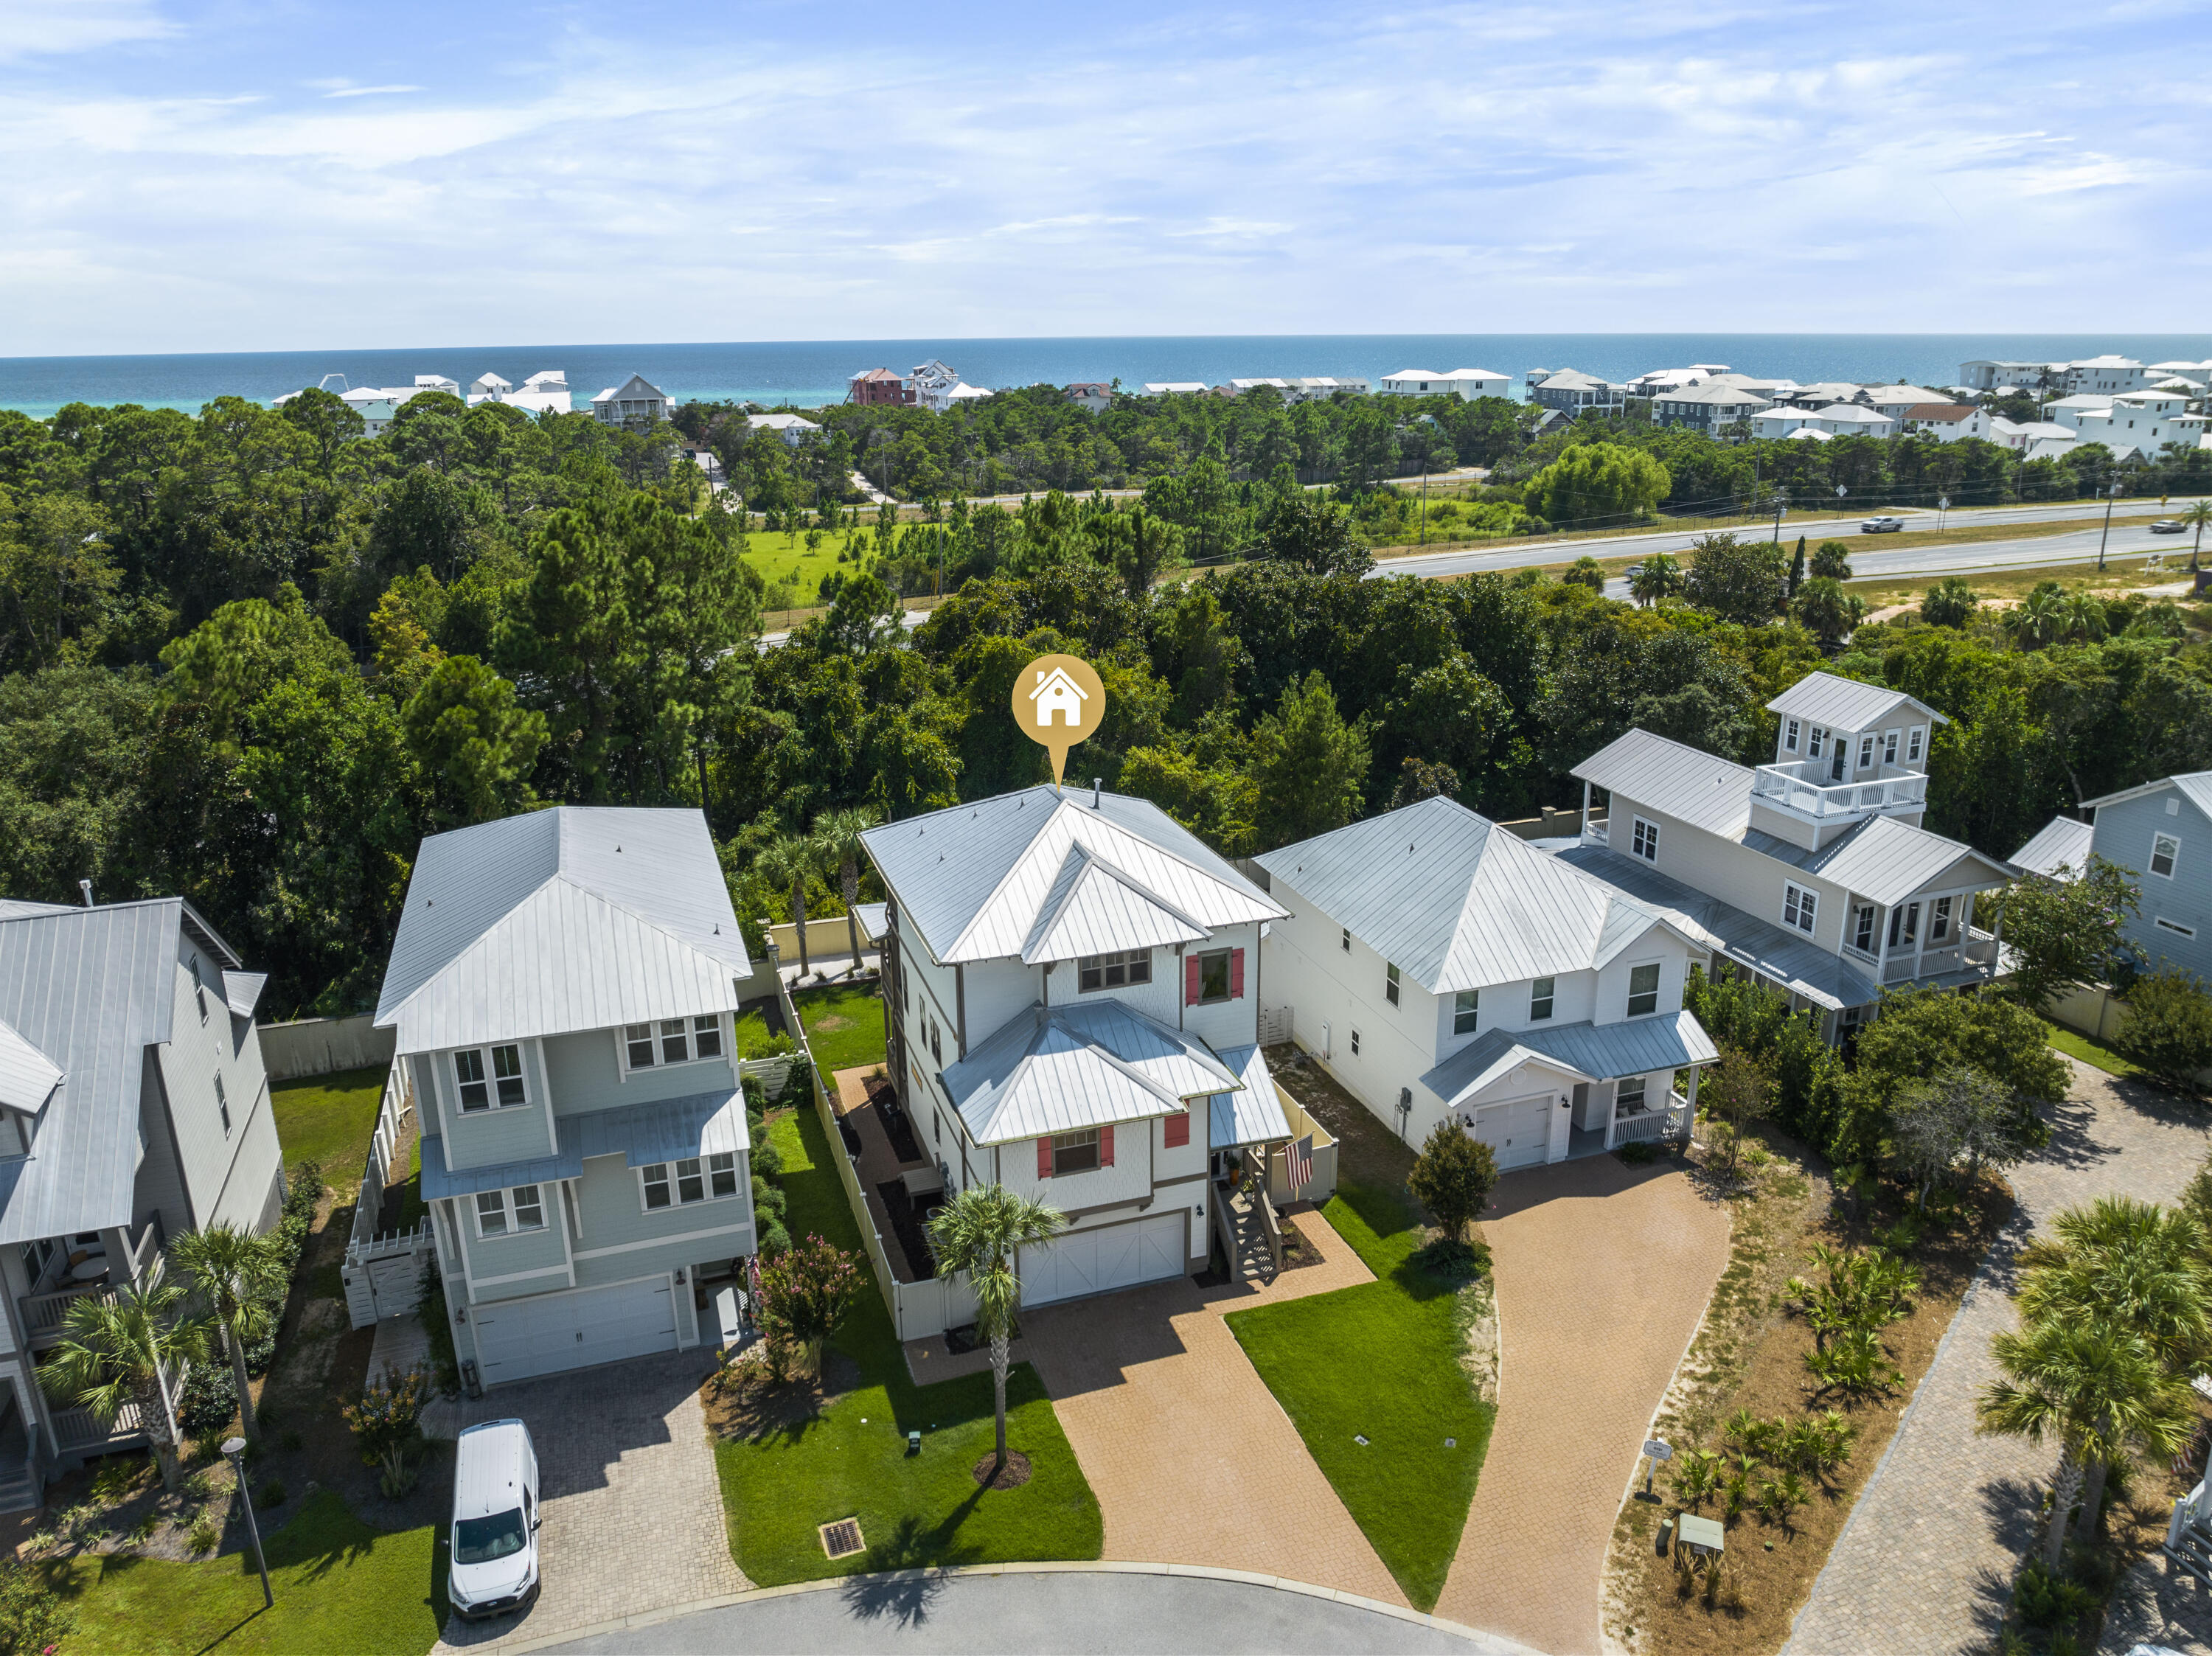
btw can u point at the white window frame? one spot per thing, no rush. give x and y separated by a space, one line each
2159 837
1074 1144
1800 906
487 1058
222 1103
673 1177
1345 941
1390 983
1355 1043
477 1210
2175 926
1641 1095
1867 938
1916 744
1544 993
1814 737
516 1207
1889 741
1644 839
1939 921
1125 961
714 1023
1466 1003
1789 734
1658 985
1866 751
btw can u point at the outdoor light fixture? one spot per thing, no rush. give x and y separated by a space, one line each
234 1448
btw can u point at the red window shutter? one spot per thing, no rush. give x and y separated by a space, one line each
1044 1158
1235 974
1178 1133
1105 1146
1190 981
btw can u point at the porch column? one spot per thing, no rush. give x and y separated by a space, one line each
1582 827
1611 1112
1920 933
1690 1127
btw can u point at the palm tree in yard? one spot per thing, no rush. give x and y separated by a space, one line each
790 862
2100 1391
977 1233
840 833
236 1275
2197 518
118 1349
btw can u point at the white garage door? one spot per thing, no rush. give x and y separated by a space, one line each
1097 1261
1518 1131
549 1332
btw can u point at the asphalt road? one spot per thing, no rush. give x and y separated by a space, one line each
1110 1613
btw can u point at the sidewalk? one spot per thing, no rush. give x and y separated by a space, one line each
1926 1562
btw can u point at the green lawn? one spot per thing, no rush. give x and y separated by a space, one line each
777 555
2089 1052
1381 1361
851 1459
341 1588
328 1119
844 1026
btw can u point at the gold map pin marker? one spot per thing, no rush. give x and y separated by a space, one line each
1058 701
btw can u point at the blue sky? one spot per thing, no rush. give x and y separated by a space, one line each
238 176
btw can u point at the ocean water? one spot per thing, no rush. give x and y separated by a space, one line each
810 373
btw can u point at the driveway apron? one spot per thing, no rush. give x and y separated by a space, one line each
1603 1273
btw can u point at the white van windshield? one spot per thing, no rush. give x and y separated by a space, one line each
481 1540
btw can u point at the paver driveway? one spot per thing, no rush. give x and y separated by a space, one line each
633 1508
1192 1459
1603 1272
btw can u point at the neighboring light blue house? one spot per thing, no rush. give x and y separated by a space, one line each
2160 834
563 986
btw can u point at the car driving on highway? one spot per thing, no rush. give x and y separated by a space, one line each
2169 526
1881 526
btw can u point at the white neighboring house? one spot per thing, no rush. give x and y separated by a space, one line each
1947 422
1812 871
1441 969
134 1108
2110 375
544 392
1469 384
561 987
1175 388
938 389
1092 396
636 403
791 429
2144 421
1319 387
2068 410
1571 391
1836 420
1073 981
1414 382
2025 434
1985 374
1896 402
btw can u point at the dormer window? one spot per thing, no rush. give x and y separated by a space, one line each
1131 966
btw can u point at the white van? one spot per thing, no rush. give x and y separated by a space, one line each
495 1520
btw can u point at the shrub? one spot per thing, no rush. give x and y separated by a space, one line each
387 1424
2043 1598
1638 1153
1453 1178
2168 1028
31 1618
1855 1365
438 1324
807 1293
205 1534
272 1492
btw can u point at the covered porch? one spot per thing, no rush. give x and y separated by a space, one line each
58 1272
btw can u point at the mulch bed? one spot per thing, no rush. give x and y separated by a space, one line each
745 1405
1012 1475
909 1220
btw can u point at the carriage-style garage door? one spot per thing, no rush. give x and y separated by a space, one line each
546 1333
1518 1131
1097 1261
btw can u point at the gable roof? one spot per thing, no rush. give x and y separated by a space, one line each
1845 704
89 990
2063 842
27 1075
1252 1115
1454 902
1061 1069
1687 783
974 881
575 918
1095 908
1592 1052
1885 860
2195 786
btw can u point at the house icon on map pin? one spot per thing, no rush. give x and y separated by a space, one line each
1055 691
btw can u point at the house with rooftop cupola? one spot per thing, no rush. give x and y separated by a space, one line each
1071 982
1813 871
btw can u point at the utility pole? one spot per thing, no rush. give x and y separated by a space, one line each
2111 494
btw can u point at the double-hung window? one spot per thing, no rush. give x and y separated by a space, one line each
1074 1152
1113 971
671 1041
691 1178
1790 737
1390 983
506 1075
1643 990
1464 1005
529 1208
491 1213
1628 1097
1866 753
1345 941
1812 741
1539 999
1912 744
1213 977
502 1086
1797 906
1889 747
2165 851
1645 844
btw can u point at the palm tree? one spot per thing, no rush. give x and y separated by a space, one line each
1828 612
977 1232
236 1275
839 834
791 861
118 1348
2098 1390
2087 618
2040 618
2197 517
1659 576
2135 1266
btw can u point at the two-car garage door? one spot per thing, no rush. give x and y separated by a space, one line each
546 1333
1518 1131
1097 1261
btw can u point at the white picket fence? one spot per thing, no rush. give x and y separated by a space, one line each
383 1271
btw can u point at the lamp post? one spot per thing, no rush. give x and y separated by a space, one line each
2111 494
233 1449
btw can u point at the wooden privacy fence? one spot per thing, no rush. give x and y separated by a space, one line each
321 1046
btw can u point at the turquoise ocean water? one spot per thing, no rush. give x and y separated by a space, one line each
812 373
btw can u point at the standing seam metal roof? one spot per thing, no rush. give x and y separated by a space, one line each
1252 1116
2063 842
1684 782
1885 860
1596 1052
1845 704
1061 1069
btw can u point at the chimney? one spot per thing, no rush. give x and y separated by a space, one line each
85 886
1097 783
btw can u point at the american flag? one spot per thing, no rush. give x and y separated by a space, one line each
1298 1163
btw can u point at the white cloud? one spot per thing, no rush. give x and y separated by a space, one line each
35 29
367 91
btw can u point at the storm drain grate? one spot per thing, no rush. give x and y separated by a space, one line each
842 1538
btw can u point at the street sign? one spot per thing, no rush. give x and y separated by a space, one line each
1658 1450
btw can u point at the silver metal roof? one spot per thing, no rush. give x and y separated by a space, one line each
1788 958
1058 1070
1885 860
2063 843
972 880
563 919
1454 901
27 1075
1094 908
1595 1051
665 1129
241 992
1845 704
1684 782
91 989
2196 786
1254 1116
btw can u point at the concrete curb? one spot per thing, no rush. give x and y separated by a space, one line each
1485 1644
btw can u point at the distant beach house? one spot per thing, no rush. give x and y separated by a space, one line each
636 401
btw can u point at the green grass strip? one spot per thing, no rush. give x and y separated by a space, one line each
2103 1058
328 1119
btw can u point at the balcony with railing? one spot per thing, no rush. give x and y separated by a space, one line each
1804 789
45 1314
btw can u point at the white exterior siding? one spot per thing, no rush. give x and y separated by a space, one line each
226 1172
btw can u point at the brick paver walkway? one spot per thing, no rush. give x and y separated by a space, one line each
1603 1273
1192 1461
1926 1562
633 1508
